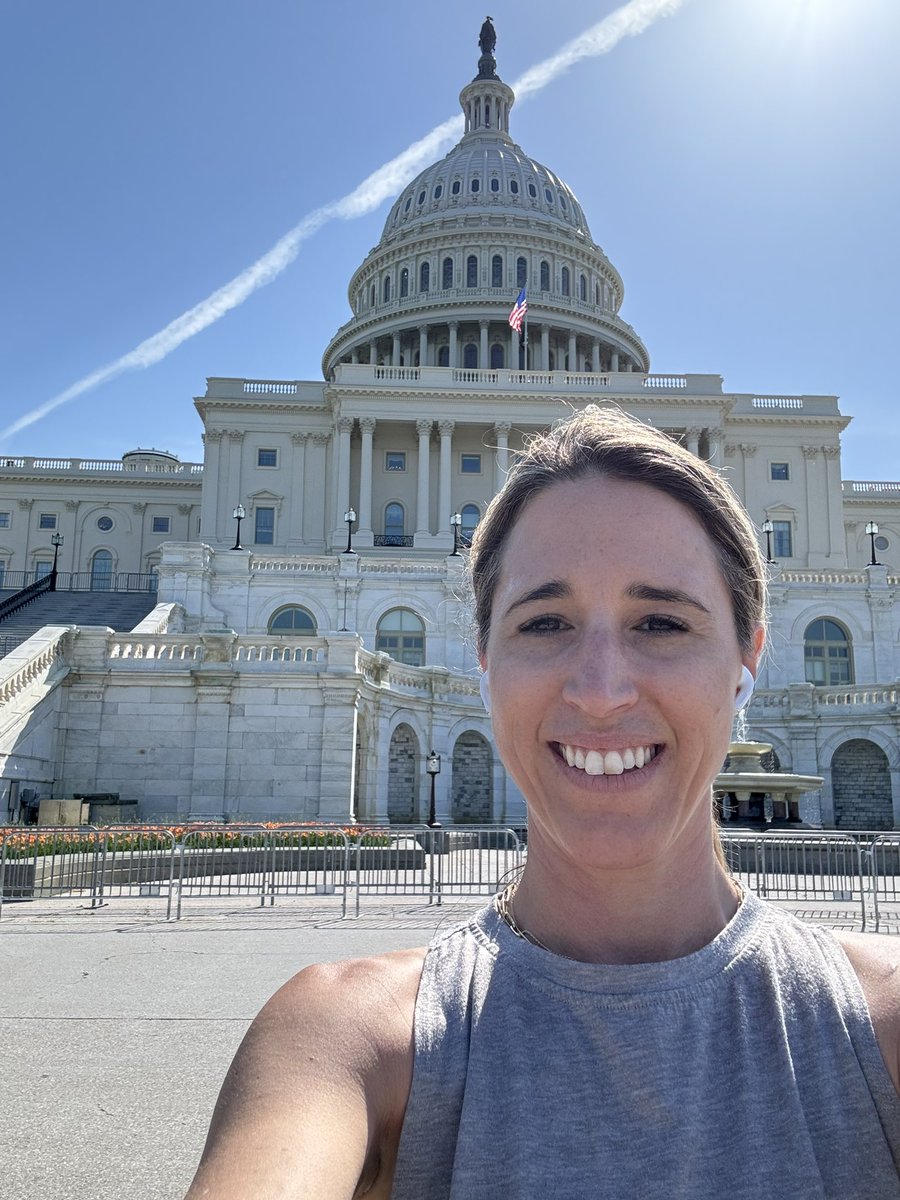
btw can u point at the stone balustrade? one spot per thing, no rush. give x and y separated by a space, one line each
32 666
27 465
618 382
810 701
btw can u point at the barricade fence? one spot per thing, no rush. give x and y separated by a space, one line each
858 871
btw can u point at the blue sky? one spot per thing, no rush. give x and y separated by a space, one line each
738 162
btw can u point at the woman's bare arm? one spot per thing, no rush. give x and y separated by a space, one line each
876 960
314 1100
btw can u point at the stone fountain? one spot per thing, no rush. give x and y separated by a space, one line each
746 791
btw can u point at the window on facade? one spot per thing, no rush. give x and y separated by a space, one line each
42 568
401 634
394 520
447 273
4 520
780 470
293 619
2 572
160 524
372 297
386 289
101 571
496 271
443 356
564 286
47 521
438 191
597 294
826 654
395 460
424 277
882 543
532 191
470 516
545 276
470 464
782 546
548 195
407 204
421 199
487 112
470 356
264 526
404 282
495 184
496 356
521 272
455 187
514 186
472 271
475 185
104 524
267 458
582 287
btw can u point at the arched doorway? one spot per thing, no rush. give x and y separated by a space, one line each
472 791
861 786
403 777
101 571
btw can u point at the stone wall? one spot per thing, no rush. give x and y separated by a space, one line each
861 784
472 761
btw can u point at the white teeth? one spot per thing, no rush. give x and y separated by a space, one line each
614 762
593 762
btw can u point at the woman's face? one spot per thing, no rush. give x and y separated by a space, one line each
614 664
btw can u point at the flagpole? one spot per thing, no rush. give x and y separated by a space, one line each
525 363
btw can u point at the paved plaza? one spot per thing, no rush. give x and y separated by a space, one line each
118 1027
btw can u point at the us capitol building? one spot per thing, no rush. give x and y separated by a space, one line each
290 679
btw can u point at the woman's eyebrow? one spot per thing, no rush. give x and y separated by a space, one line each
553 589
647 591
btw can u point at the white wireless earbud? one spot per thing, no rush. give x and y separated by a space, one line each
745 691
485 688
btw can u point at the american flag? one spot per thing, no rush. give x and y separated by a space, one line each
519 309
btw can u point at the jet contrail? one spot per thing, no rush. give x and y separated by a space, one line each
626 21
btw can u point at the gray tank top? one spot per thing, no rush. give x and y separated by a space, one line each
748 1071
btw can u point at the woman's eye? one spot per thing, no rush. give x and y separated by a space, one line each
658 624
545 624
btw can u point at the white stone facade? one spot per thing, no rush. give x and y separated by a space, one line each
210 708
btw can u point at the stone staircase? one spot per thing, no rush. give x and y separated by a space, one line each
119 610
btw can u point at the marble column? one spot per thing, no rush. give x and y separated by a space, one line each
692 440
354 354
595 355
501 454
395 351
545 347
573 353
373 352
367 429
345 425
209 509
444 477
454 344
423 345
423 429
714 437
614 361
298 477
483 357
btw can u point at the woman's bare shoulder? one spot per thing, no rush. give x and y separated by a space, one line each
876 960
314 1100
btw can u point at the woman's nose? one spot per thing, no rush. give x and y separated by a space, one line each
600 678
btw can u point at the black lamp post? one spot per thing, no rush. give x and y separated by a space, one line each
349 517
768 529
456 521
56 540
433 767
871 530
239 513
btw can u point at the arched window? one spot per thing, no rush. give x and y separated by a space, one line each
597 294
496 356
495 184
582 287
447 273
514 186
404 282
401 634
293 619
101 571
470 518
472 271
545 276
826 654
521 272
372 297
496 271
443 356
424 277
394 521
470 356
487 112
386 289
475 184
564 286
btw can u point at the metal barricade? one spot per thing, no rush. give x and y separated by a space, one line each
884 851
394 860
228 860
307 860
136 862
812 866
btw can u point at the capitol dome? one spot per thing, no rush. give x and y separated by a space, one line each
459 243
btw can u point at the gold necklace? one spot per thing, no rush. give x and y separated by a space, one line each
503 904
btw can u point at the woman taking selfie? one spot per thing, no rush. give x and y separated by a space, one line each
625 1020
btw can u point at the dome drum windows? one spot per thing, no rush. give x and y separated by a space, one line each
455 187
475 185
472 271
514 186
545 276
386 289
495 184
447 273
404 282
564 284
424 277
521 272
497 271
532 191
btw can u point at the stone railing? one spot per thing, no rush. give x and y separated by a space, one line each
314 566
830 577
856 487
406 567
809 701
619 382
165 618
37 664
104 466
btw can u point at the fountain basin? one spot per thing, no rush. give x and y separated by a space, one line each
747 792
